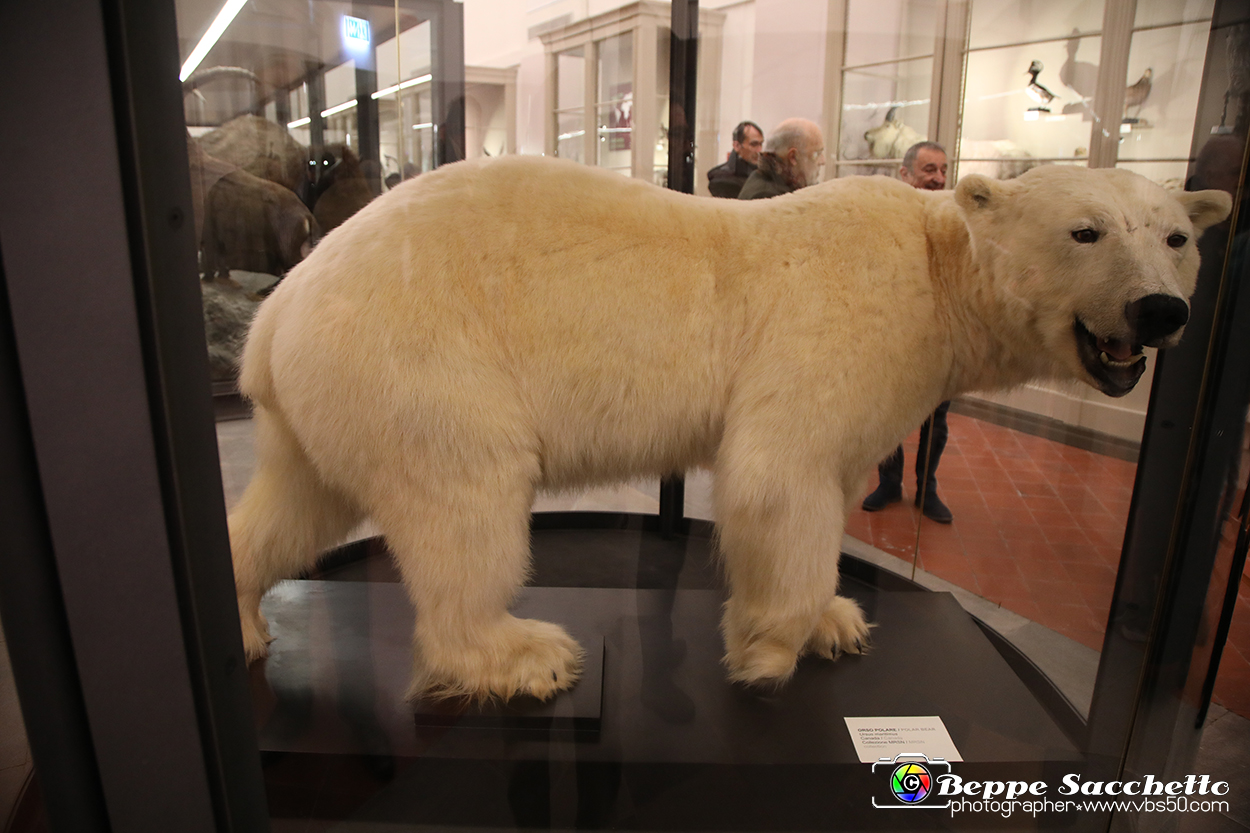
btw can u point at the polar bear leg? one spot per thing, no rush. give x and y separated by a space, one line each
781 535
462 544
286 517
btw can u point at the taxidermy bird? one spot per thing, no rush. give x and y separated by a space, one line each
1036 91
1136 94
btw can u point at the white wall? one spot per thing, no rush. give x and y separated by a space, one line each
737 75
789 61
495 32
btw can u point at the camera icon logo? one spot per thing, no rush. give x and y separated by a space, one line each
910 782
913 777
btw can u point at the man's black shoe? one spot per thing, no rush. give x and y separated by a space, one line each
883 497
934 509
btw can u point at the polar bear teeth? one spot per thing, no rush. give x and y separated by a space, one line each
1110 362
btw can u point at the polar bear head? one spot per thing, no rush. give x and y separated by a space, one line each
1096 263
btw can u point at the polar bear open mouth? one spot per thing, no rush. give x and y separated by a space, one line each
1115 365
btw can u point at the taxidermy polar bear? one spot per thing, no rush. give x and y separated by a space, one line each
499 327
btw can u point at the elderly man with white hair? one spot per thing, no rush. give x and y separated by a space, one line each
792 159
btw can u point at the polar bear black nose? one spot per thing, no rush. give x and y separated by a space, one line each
1156 317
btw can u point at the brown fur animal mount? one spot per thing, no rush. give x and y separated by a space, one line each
342 189
255 225
261 148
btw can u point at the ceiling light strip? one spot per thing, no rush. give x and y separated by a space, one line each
224 18
411 82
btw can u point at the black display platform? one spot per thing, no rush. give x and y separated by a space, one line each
347 645
678 747
577 712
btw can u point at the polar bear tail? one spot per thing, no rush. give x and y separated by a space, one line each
255 372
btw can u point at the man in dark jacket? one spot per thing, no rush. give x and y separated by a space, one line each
726 180
791 160
924 167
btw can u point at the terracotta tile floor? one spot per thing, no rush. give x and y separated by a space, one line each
1038 529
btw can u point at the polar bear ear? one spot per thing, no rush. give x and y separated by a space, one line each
975 192
1205 208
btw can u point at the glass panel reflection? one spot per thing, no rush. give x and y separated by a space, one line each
885 111
995 23
1161 99
1169 12
878 31
570 136
614 103
887 82
1028 104
571 105
297 117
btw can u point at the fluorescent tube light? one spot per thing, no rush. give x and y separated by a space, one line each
299 123
346 105
224 18
411 82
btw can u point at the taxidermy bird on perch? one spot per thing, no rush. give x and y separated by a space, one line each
1036 91
1136 94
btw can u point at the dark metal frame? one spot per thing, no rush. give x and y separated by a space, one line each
683 68
108 359
1154 680
116 589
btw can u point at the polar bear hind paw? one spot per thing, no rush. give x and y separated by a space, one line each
763 662
841 630
256 636
536 659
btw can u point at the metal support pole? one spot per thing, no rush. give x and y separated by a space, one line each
683 77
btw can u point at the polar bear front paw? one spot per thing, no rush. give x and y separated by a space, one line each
841 629
520 657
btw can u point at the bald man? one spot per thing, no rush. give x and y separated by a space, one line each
792 158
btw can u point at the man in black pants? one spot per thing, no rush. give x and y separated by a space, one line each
924 166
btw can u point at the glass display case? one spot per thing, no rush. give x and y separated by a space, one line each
297 119
1165 67
886 83
625 88
571 104
1068 622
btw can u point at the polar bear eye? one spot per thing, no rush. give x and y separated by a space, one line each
1085 235
1177 240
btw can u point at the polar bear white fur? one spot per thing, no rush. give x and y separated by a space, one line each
498 327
